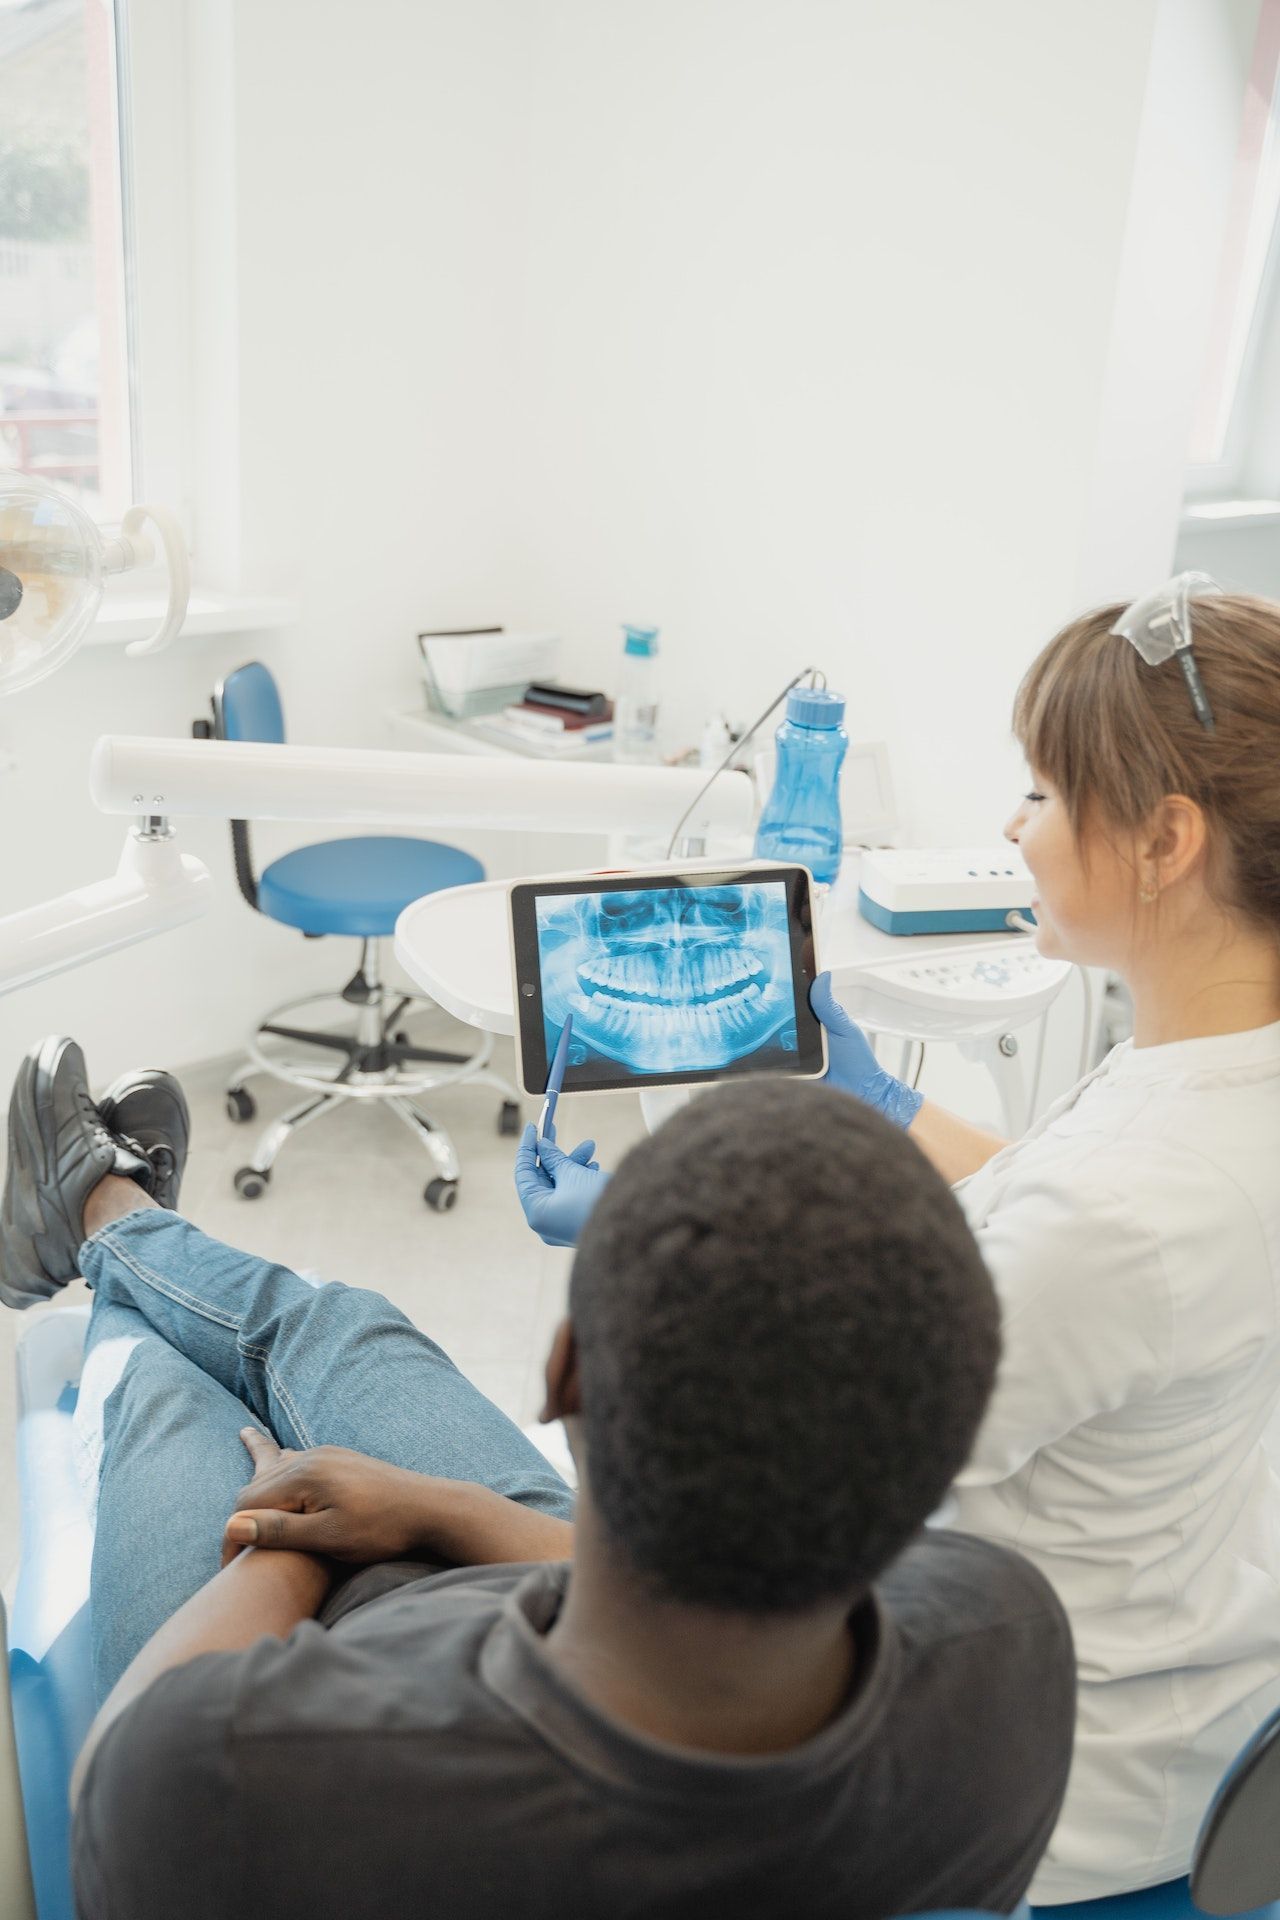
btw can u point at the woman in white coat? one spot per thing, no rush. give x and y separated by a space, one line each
1134 1232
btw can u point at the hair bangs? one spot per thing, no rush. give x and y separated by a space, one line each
1081 719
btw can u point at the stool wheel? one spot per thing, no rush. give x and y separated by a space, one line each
509 1118
240 1105
440 1194
250 1183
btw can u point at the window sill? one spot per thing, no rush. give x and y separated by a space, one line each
1211 516
135 616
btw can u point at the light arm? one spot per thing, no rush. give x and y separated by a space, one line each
154 888
249 780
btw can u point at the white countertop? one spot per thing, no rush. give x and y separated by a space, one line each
456 945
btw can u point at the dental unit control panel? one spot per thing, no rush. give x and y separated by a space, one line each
927 997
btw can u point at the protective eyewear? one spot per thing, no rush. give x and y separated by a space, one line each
1159 627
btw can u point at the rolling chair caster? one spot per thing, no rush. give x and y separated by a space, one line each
250 1182
241 1105
441 1194
509 1118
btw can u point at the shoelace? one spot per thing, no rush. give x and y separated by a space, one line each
160 1160
102 1133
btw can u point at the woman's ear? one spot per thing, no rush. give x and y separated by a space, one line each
1174 842
564 1399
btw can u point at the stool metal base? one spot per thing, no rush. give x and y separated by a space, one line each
374 1061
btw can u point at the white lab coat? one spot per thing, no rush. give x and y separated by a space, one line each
1134 1239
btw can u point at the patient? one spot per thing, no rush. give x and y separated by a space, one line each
759 1690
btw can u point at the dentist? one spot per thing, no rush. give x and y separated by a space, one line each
1134 1232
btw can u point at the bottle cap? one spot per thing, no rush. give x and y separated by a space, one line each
641 640
815 707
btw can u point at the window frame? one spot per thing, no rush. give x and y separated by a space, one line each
1215 479
152 53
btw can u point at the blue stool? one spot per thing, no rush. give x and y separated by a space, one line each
357 887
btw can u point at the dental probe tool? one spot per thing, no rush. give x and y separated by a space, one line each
555 1080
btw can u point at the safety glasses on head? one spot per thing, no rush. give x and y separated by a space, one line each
1159 628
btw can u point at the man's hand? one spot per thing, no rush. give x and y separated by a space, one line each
327 1500
349 1507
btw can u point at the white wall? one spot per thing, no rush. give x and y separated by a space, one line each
1244 559
817 317
350 267
847 340
1189 130
787 326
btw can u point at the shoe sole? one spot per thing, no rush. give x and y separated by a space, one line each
32 1136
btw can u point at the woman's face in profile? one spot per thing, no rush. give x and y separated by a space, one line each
1085 891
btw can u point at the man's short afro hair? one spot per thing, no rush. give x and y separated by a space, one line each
786 1340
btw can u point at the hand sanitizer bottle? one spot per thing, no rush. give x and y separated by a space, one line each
801 817
635 713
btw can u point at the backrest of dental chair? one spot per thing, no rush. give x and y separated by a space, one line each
49 1640
246 706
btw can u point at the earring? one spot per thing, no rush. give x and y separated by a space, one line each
1147 892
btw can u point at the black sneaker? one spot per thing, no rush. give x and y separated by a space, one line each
59 1149
147 1111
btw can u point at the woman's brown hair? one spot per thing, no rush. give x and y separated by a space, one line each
1114 736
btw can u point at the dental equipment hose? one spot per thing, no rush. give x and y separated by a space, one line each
736 747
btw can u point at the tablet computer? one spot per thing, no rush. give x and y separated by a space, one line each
672 976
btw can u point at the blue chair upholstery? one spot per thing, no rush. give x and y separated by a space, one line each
358 887
50 1672
250 706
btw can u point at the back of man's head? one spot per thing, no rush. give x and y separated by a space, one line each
786 1340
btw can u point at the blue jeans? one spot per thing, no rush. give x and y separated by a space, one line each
194 1341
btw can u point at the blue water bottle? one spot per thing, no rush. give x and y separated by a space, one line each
801 818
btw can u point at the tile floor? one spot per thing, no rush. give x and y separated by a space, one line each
346 1202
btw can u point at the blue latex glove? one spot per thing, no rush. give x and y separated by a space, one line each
557 1190
852 1065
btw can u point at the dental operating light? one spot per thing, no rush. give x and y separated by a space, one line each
54 562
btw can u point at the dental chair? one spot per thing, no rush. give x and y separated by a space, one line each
46 1688
358 888
50 1684
1235 1868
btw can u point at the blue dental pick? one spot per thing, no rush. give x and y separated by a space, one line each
555 1080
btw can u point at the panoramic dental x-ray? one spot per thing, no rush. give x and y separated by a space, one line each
669 979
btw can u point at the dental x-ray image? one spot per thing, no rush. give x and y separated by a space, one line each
672 979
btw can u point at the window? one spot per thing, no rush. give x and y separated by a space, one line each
1247 277
65 359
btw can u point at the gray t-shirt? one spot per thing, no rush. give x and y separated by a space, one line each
420 1755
